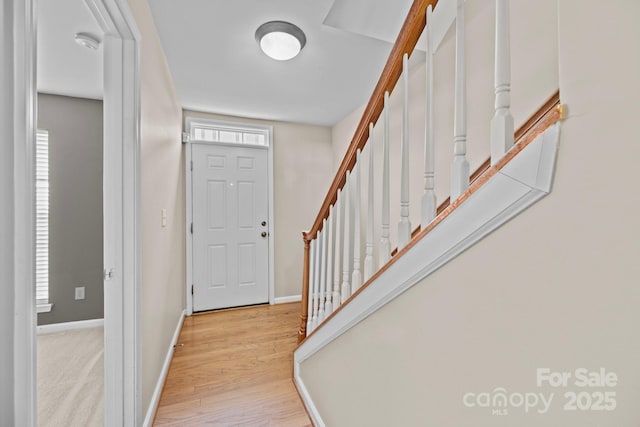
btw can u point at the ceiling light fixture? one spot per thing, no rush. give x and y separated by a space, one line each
280 40
87 40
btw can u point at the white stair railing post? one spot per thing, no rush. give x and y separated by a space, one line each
368 258
460 169
319 272
346 251
323 271
328 306
502 124
339 240
312 248
316 307
356 277
404 226
315 251
385 244
429 196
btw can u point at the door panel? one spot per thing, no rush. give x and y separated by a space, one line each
246 206
216 201
217 267
230 202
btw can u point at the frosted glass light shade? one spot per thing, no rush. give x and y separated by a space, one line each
280 40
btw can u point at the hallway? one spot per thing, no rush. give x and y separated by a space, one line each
234 367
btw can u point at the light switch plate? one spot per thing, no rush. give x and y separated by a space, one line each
80 292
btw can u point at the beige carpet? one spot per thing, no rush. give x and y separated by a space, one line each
70 378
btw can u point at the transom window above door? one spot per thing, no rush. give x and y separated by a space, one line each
210 131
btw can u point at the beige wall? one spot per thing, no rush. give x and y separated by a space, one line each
556 287
342 133
302 174
163 259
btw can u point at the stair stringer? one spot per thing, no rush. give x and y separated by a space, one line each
527 178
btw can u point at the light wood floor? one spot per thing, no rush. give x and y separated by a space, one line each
235 369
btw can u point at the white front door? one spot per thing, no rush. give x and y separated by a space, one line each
230 230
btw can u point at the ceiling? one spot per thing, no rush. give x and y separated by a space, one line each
217 65
64 67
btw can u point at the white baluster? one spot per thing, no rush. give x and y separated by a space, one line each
356 278
319 273
328 307
385 244
502 123
312 248
346 250
315 268
404 226
338 239
460 169
323 271
429 197
368 258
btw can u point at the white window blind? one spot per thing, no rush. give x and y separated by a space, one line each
42 217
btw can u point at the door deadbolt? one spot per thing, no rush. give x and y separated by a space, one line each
264 223
264 234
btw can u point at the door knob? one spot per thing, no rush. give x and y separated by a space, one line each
264 234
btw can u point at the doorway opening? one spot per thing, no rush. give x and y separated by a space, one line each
121 165
230 233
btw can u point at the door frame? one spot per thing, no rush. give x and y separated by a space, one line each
17 252
189 199
122 243
122 247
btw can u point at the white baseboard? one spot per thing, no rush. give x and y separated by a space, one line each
68 326
306 397
291 298
155 399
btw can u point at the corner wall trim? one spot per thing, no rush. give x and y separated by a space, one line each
155 398
68 326
290 298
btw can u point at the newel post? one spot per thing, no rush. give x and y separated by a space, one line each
304 310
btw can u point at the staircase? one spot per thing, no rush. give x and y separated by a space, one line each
383 226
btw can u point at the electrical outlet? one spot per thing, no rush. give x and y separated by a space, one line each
163 218
80 292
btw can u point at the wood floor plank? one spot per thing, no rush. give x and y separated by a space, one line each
234 368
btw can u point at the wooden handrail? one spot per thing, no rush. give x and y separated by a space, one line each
539 115
405 43
549 114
